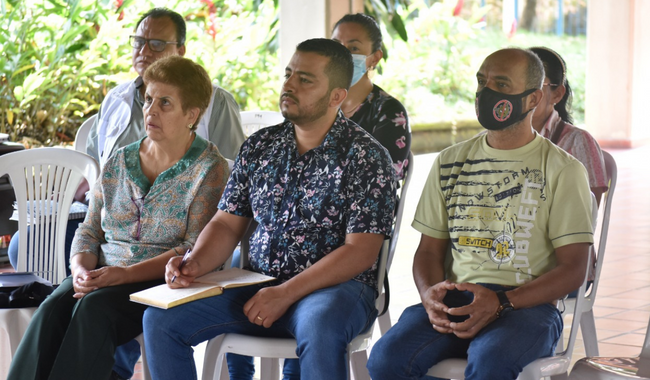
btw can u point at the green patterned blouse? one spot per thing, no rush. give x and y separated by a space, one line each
130 220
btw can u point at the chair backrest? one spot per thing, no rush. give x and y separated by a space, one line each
399 213
252 121
580 301
82 134
45 181
605 209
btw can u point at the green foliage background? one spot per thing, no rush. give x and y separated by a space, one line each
434 73
59 58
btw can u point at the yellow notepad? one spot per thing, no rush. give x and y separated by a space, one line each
211 284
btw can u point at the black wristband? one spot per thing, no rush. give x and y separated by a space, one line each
505 305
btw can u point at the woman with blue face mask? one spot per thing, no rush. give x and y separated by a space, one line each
367 104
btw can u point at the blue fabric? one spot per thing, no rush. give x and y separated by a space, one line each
12 250
242 367
499 351
323 323
126 357
305 205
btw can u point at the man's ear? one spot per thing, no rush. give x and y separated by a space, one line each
535 98
337 96
181 51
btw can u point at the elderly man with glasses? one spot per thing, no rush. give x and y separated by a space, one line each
159 33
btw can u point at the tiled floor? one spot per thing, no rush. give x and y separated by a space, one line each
622 306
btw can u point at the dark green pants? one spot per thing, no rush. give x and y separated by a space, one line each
71 339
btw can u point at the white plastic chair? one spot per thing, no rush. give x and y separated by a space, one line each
615 368
588 322
272 349
45 181
46 177
556 366
252 121
146 375
82 134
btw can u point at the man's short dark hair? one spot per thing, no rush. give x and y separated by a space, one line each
534 71
340 67
177 19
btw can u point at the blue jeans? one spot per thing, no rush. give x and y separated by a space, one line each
499 351
242 367
323 323
126 357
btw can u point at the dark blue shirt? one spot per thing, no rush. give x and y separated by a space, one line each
305 205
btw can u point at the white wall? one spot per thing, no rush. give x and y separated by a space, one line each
299 21
618 57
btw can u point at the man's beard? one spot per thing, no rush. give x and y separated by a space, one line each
316 111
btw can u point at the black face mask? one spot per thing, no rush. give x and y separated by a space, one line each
496 111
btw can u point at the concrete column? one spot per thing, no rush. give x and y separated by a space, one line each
304 19
618 55
299 21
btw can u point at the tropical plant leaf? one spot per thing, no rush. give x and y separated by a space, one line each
398 24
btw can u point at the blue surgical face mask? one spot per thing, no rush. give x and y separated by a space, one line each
359 61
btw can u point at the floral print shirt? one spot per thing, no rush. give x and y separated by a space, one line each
130 220
305 205
385 118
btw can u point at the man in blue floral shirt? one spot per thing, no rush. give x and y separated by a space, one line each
322 192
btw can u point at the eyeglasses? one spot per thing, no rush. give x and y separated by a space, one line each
551 84
154 45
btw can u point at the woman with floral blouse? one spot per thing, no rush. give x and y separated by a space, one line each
367 104
150 203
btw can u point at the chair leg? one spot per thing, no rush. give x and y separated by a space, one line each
358 362
145 366
224 373
269 369
589 337
384 322
214 369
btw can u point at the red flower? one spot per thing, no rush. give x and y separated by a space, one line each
459 7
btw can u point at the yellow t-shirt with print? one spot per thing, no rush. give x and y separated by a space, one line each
505 211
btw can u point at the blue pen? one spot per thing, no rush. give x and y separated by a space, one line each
187 254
